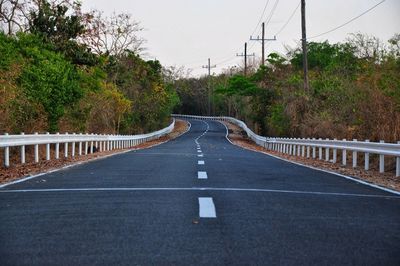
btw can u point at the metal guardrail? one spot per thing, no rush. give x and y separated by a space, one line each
85 143
325 148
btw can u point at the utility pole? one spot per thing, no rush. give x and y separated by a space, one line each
263 39
209 66
304 44
245 58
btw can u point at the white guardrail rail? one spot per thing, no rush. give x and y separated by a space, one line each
325 148
84 143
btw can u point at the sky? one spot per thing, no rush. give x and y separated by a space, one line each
188 32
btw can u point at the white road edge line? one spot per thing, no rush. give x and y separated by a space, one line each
255 190
314 168
207 208
202 175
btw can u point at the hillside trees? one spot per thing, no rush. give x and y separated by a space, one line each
354 92
50 80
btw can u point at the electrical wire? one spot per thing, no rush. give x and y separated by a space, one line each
348 22
261 18
289 19
271 13
267 20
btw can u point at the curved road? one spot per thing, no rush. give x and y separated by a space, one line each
196 200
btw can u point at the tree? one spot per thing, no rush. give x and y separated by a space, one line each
48 79
15 14
112 35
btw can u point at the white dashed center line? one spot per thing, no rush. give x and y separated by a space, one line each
202 175
200 155
207 208
200 162
198 150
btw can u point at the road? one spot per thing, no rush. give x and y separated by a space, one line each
197 200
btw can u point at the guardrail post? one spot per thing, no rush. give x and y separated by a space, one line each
73 147
66 146
22 151
320 151
91 144
108 144
303 150
381 161
308 149
366 159
80 145
96 144
354 156
398 164
334 154
327 151
36 151
6 155
86 144
314 150
292 150
57 155
344 156
48 149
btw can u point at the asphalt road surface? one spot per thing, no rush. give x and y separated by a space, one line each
197 200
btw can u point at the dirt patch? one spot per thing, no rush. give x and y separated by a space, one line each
388 179
17 170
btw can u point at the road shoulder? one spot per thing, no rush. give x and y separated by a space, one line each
19 171
386 180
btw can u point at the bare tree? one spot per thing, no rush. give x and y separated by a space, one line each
15 14
367 47
112 35
174 73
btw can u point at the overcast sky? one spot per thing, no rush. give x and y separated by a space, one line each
188 32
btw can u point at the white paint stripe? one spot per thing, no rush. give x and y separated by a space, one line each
207 208
314 168
200 162
202 175
317 193
200 155
198 150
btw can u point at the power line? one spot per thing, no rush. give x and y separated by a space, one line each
348 22
289 19
262 16
267 20
271 13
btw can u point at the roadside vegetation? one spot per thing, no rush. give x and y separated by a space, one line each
354 92
65 70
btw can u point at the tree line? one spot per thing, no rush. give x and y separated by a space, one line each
354 92
62 69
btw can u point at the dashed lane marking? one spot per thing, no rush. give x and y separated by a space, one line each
200 162
202 175
207 208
